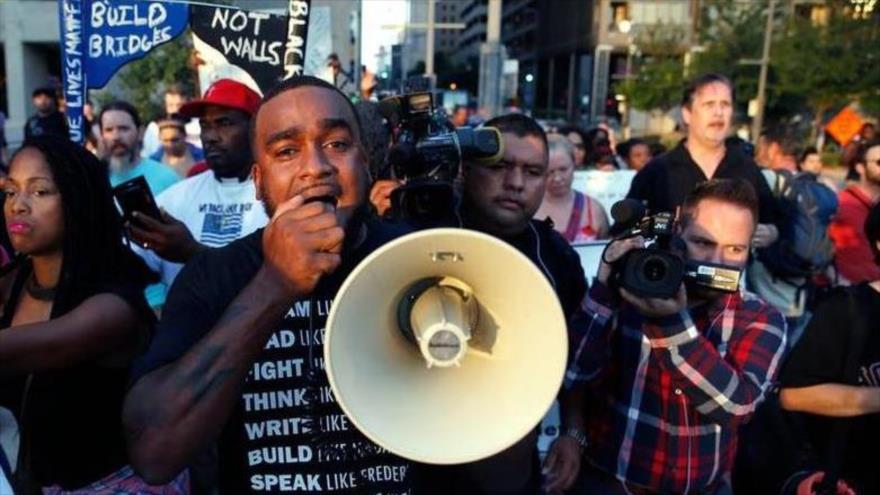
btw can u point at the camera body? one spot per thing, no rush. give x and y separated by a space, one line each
657 271
653 271
427 154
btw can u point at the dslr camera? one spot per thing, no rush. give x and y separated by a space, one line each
426 155
658 270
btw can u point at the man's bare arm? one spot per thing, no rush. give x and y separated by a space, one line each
173 412
832 399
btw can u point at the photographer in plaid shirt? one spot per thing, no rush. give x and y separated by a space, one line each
670 380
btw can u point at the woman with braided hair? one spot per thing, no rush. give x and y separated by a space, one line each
72 318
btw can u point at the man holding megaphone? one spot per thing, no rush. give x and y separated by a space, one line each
237 358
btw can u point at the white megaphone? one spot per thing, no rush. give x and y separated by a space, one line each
445 346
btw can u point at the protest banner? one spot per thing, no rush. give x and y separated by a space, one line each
98 37
605 187
260 48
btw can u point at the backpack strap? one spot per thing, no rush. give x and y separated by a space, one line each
858 336
779 184
781 179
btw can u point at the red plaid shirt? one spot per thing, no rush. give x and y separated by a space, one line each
671 392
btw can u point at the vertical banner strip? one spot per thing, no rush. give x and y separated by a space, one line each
297 33
73 77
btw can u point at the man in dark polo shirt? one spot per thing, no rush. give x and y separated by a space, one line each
707 109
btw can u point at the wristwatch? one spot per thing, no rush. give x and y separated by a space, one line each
578 435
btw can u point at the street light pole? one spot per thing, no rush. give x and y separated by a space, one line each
630 49
758 121
430 26
429 45
625 26
492 56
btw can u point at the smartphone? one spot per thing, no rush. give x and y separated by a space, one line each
135 195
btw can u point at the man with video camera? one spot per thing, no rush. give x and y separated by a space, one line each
671 378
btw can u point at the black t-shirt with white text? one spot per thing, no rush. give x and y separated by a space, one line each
286 434
820 357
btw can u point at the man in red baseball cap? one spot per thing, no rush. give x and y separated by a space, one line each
223 94
207 209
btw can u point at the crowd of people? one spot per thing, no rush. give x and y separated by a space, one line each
153 354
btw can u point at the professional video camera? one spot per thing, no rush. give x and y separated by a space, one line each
427 154
658 270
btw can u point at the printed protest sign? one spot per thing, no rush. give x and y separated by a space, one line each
844 126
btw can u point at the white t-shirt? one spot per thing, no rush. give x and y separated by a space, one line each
216 212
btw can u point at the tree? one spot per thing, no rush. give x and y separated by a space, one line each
731 32
164 65
733 35
657 73
830 65
814 67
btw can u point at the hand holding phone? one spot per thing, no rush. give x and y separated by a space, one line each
169 238
135 196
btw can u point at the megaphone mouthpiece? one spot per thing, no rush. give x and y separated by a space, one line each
443 345
439 315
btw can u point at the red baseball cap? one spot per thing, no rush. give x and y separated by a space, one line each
224 93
